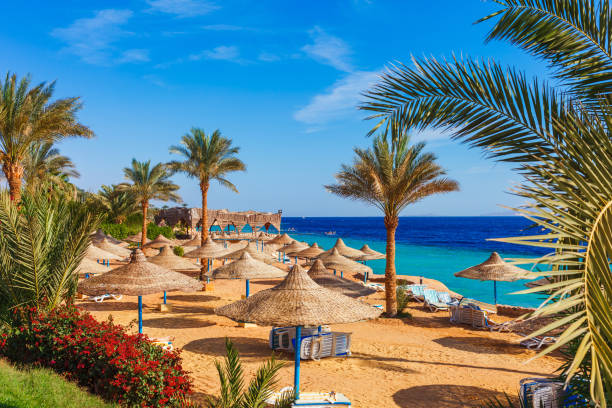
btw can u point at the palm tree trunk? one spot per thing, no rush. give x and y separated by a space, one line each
390 280
143 237
13 173
204 188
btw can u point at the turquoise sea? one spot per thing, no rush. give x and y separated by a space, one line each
434 247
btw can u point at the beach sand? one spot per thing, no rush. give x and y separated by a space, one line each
420 362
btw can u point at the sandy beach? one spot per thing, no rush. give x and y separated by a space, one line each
419 362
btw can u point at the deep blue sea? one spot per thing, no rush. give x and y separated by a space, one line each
434 247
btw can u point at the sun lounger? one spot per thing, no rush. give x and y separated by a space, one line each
312 399
432 302
537 342
472 316
281 338
102 298
445 297
417 292
548 393
376 286
331 344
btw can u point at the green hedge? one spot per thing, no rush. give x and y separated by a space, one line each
122 231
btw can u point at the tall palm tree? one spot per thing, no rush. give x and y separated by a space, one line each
559 138
44 164
149 183
117 202
391 176
207 158
28 116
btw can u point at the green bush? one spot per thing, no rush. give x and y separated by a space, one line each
153 231
122 231
179 251
118 231
403 298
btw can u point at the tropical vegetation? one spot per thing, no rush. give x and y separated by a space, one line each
149 183
391 175
233 393
44 166
207 158
42 243
29 117
116 202
558 136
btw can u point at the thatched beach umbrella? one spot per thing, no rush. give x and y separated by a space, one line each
298 301
311 252
236 253
167 259
338 262
345 250
210 250
370 255
295 246
89 266
323 277
138 278
159 242
494 269
99 235
281 240
539 282
136 238
247 268
97 254
106 245
195 241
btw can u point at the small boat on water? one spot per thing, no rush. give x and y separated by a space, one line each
330 233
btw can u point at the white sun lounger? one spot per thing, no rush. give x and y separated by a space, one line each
315 344
102 298
313 399
281 338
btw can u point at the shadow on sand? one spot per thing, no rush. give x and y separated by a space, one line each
215 346
176 323
445 395
192 298
479 345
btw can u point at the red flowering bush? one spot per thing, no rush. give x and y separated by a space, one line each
127 369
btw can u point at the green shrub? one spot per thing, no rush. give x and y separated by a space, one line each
153 231
403 298
117 231
179 251
119 367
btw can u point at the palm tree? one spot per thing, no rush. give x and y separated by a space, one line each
149 183
42 243
43 164
207 158
231 377
27 117
391 176
117 202
558 137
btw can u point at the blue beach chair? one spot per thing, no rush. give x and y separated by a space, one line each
417 292
432 302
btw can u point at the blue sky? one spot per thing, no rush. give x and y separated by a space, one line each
281 78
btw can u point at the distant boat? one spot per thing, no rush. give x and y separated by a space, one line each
290 229
330 233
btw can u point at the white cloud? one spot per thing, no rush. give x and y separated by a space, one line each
222 52
134 55
339 101
223 27
155 80
328 50
183 8
91 38
268 57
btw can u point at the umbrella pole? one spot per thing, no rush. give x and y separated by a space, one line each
296 373
334 271
365 277
164 297
342 274
208 261
140 314
247 288
495 291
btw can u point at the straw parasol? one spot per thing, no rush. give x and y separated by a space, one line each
311 252
336 261
247 268
88 266
494 269
539 282
99 235
295 246
323 277
112 248
167 259
136 238
298 301
345 250
159 242
139 278
95 253
281 240
195 241
370 254
210 250
150 252
251 249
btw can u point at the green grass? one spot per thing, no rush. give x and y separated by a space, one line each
41 388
